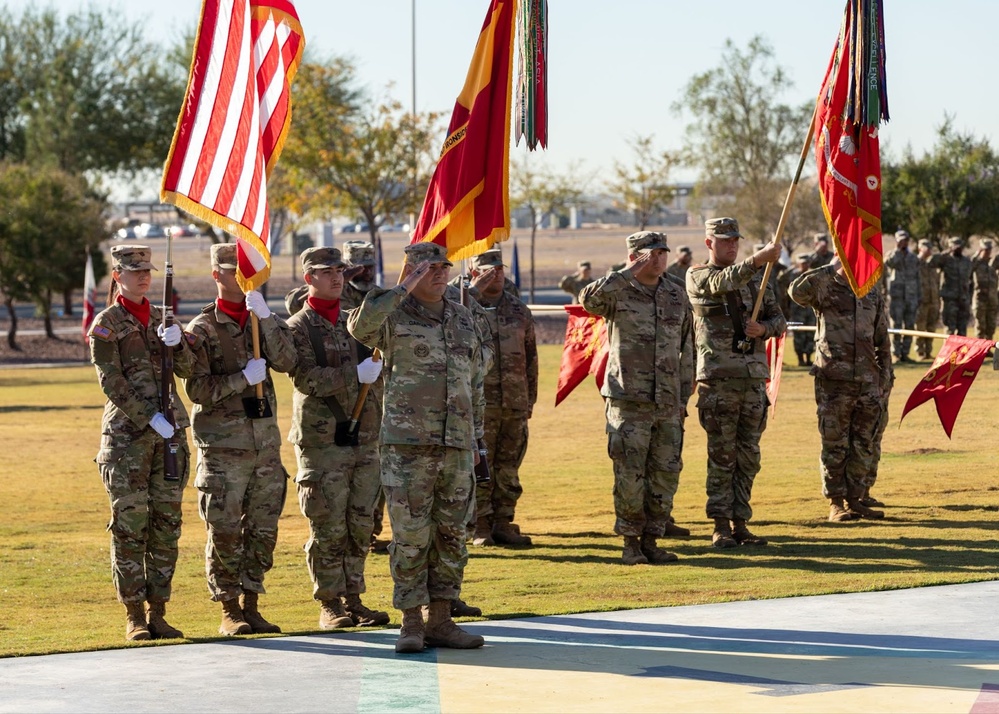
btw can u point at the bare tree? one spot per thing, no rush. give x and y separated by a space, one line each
643 186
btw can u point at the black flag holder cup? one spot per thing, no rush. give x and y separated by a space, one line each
257 406
167 387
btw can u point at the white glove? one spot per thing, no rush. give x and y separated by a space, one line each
368 371
255 371
170 336
256 304
161 425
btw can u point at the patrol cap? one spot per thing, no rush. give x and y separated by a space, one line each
987 244
803 257
722 228
685 249
224 256
646 240
492 258
583 264
955 242
926 243
359 252
132 257
820 238
901 235
426 252
321 257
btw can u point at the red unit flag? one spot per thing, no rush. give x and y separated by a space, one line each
584 351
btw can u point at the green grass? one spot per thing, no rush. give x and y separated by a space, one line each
55 585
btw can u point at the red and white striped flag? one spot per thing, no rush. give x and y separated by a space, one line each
234 121
89 297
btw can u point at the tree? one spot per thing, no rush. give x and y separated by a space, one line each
742 138
643 187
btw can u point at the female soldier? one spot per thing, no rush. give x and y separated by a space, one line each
125 346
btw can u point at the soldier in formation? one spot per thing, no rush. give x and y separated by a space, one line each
822 254
804 340
731 373
955 287
928 313
240 479
126 341
902 270
679 267
648 380
574 282
984 286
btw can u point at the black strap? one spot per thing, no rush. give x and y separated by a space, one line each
230 361
316 338
710 310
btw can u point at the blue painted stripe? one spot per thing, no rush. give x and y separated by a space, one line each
400 683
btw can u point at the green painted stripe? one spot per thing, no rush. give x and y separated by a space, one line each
400 683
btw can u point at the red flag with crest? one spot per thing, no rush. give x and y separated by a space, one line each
584 351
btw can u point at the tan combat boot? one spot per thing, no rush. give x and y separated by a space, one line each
332 616
443 632
672 530
483 534
506 533
362 616
838 512
653 553
861 511
743 536
869 500
159 628
412 631
632 553
722 537
232 619
135 622
460 608
253 617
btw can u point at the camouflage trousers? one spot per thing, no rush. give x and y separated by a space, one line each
956 313
428 491
378 515
733 413
145 513
506 440
879 432
241 496
903 317
804 342
337 490
985 318
927 320
644 441
850 414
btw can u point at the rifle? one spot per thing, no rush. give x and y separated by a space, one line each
167 386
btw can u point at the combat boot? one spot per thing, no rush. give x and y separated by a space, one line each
378 545
672 530
135 622
838 512
443 632
505 533
869 500
743 536
483 534
653 553
159 628
332 615
722 537
362 616
412 631
632 554
460 608
232 619
253 617
861 511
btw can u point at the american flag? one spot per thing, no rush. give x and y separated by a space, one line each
234 121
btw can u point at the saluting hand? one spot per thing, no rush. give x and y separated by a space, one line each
640 260
415 275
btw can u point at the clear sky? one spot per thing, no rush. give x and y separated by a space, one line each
617 66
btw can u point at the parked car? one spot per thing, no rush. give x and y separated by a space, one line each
126 233
188 231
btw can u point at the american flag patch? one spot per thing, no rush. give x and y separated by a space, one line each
101 331
191 338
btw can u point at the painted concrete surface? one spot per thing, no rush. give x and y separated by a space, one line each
923 650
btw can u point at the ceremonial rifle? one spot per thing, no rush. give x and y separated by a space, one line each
167 386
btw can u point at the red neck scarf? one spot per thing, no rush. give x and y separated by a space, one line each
328 309
236 310
140 311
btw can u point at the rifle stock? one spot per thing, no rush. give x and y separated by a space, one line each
167 386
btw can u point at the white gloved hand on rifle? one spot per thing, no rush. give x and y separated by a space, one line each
368 371
161 426
255 371
256 304
169 336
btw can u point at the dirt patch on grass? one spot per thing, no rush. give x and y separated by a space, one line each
924 452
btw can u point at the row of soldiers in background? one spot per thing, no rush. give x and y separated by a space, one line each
575 282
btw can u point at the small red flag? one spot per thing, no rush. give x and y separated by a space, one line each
775 360
949 378
584 351
89 297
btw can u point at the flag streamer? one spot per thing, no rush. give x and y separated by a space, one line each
532 75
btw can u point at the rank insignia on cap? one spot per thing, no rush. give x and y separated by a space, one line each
101 331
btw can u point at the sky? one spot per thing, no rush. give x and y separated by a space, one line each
617 67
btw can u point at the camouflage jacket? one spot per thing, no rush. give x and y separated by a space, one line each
678 270
127 357
817 261
433 368
353 295
295 299
794 312
929 280
482 327
955 276
903 275
649 337
217 385
512 381
984 281
851 340
573 284
708 287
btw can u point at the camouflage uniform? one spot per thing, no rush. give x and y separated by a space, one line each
818 259
433 409
731 385
145 520
678 269
648 381
985 298
575 282
804 340
955 288
852 373
928 314
903 285
240 479
295 299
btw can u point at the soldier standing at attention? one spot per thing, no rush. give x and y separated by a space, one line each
574 282
731 373
338 473
853 376
903 268
433 411
511 390
928 314
804 340
145 508
240 479
678 268
955 288
985 298
648 380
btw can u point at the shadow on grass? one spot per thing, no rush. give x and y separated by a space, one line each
15 408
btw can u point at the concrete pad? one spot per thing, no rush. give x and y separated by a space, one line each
923 650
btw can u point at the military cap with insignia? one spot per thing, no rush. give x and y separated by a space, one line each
646 240
722 228
321 257
224 256
492 258
926 243
901 235
132 257
359 252
426 252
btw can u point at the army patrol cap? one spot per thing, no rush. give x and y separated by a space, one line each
492 258
359 252
132 257
426 252
803 257
901 235
955 242
820 238
987 244
722 228
926 243
646 240
319 258
584 264
685 249
224 256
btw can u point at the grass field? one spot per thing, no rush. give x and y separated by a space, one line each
942 496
